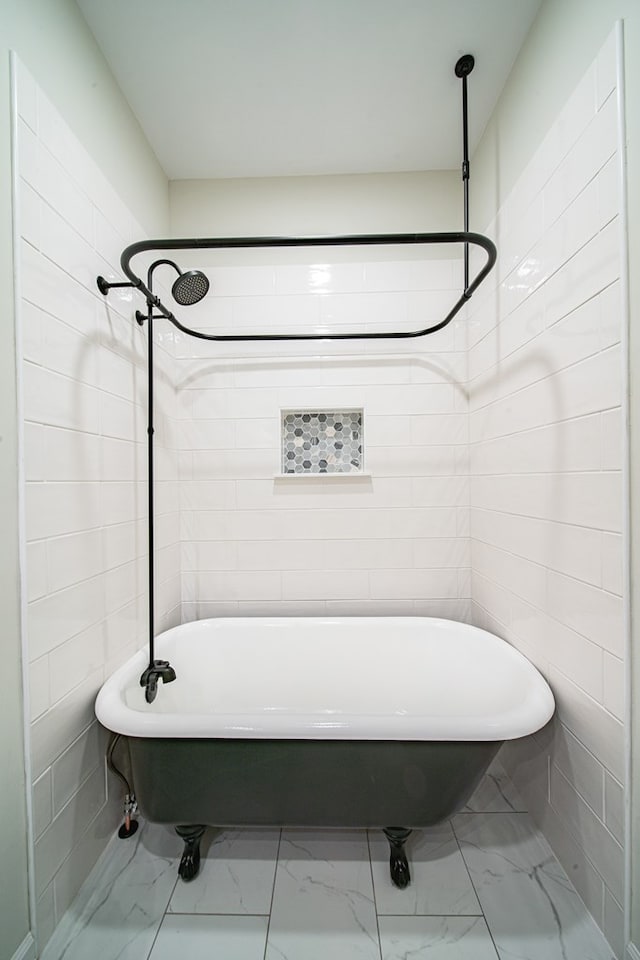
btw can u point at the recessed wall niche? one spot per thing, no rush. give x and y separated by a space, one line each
318 442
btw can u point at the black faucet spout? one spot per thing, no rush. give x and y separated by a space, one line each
157 670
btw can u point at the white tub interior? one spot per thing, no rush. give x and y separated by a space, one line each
402 678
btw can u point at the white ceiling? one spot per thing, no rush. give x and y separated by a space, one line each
260 88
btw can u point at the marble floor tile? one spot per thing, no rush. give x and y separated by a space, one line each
529 904
323 904
440 884
198 937
495 794
120 918
436 938
236 875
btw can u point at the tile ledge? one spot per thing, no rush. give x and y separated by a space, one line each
305 477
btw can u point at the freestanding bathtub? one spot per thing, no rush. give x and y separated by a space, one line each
346 721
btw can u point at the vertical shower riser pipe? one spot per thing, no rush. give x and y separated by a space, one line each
150 482
157 669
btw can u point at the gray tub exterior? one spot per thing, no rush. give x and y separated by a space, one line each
315 783
304 722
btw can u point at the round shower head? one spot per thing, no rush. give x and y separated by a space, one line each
190 287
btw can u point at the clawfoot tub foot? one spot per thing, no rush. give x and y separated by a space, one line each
398 863
190 862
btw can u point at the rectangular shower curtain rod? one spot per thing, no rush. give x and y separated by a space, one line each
366 239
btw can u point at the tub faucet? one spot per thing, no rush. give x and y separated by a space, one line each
157 670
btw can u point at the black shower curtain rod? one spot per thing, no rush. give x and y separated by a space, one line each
367 239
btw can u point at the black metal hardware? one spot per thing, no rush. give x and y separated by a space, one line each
190 861
149 678
104 286
141 318
226 243
464 66
157 670
398 863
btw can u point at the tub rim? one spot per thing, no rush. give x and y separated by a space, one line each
522 720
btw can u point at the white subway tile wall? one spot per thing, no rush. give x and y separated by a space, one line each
83 400
546 416
254 542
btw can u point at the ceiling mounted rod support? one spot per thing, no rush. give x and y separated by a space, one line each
463 68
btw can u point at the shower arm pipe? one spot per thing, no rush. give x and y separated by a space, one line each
367 239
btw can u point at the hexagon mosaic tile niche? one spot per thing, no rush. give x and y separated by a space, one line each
319 442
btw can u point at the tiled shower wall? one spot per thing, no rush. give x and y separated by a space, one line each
546 381
394 540
83 399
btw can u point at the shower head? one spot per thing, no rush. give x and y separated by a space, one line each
190 287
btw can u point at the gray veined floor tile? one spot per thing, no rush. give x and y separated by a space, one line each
436 938
440 884
323 903
530 906
236 876
208 938
496 794
121 916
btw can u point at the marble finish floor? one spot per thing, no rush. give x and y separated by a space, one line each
485 886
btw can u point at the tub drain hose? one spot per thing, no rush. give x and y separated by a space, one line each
129 827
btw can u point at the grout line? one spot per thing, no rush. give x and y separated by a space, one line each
453 916
373 890
210 913
273 893
542 519
488 813
473 886
164 915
